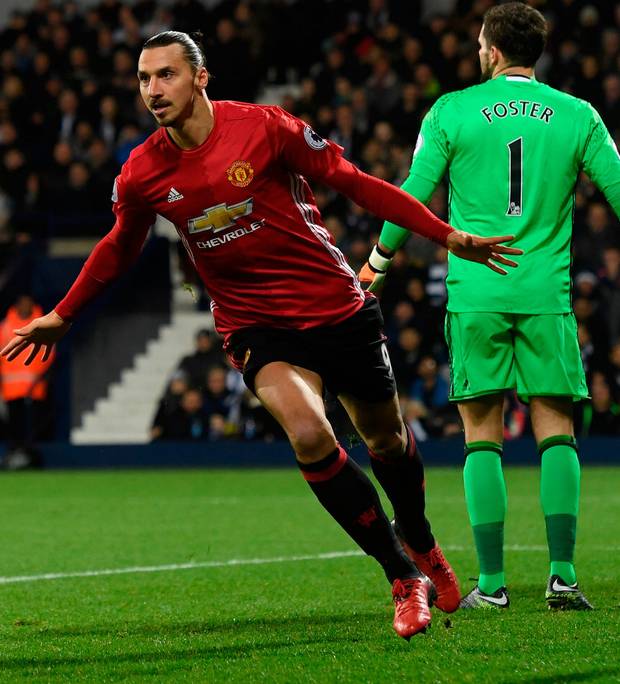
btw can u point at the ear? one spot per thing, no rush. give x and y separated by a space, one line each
495 55
202 78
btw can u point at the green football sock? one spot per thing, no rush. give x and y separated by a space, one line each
485 495
559 496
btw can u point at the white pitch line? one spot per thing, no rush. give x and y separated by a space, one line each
142 569
138 569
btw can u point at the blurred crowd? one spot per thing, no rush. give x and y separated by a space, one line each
206 399
362 73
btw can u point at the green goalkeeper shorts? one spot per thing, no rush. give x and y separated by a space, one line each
536 355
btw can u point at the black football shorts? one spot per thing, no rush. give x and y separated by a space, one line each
351 356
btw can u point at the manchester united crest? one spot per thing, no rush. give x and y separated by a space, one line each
240 173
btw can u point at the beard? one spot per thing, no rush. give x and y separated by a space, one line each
177 117
162 119
486 70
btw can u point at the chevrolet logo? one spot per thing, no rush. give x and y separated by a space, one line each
220 216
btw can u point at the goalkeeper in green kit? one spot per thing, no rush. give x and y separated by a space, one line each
513 148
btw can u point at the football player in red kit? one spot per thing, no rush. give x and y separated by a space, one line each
232 178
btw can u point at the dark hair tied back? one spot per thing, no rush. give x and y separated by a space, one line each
191 44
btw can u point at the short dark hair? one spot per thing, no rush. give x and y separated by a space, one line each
190 42
518 30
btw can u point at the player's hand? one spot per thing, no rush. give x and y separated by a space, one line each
484 250
372 273
44 332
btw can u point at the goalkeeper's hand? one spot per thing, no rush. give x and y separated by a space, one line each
372 273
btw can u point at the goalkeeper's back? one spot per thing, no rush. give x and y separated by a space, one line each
513 148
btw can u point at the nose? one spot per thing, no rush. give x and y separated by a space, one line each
154 89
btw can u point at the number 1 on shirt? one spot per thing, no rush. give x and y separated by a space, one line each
515 173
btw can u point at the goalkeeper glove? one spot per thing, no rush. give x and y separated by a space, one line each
372 273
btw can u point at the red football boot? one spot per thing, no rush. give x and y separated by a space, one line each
413 599
434 565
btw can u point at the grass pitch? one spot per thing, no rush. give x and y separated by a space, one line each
279 614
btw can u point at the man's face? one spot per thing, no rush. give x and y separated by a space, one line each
167 84
203 343
486 58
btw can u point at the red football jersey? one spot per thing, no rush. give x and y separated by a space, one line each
248 219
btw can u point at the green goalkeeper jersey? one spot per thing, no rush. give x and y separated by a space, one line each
513 148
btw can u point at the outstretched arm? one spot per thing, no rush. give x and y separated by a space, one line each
386 201
393 237
110 258
397 206
305 152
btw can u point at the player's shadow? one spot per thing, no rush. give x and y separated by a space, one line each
273 634
172 655
597 673
236 626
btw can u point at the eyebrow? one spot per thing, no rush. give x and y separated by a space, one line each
158 72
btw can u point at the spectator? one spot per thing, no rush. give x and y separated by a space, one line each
306 103
611 104
103 168
411 55
24 388
415 414
447 65
602 415
345 133
68 104
130 136
207 354
430 388
406 354
110 120
231 63
599 233
219 398
425 316
407 114
79 186
586 348
383 86
57 174
169 403
437 273
188 421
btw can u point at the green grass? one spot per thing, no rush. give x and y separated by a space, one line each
288 621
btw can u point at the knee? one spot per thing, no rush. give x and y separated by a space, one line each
312 441
388 445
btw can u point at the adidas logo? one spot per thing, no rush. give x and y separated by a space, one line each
174 195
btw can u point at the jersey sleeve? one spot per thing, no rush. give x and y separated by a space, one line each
299 147
303 151
601 161
428 166
116 252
